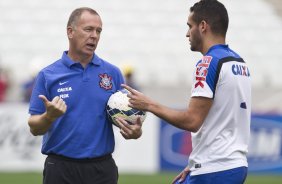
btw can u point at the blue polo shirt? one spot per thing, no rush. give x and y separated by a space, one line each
84 131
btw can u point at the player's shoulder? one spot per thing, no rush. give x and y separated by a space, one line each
52 67
106 64
220 53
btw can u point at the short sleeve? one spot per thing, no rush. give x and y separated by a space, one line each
36 105
204 78
120 79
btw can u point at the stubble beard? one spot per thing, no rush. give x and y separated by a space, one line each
196 44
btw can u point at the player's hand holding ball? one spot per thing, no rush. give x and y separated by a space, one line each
118 107
128 119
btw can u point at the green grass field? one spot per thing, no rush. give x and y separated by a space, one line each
161 178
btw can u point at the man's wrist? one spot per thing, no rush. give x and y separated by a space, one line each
48 118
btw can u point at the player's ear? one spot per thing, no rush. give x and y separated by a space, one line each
203 26
70 31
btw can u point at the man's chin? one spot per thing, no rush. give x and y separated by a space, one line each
193 48
89 52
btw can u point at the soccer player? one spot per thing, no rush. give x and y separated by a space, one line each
68 107
218 114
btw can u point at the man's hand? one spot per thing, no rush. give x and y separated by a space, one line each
40 124
181 177
137 100
128 131
54 108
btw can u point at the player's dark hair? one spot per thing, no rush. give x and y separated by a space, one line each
75 15
214 13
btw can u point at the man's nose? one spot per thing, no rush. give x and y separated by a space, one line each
187 34
94 34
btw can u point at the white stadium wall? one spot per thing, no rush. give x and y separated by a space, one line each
19 150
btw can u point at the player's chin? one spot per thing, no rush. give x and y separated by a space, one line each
192 48
89 51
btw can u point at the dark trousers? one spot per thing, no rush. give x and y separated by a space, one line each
62 170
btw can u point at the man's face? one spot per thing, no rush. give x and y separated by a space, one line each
194 34
84 35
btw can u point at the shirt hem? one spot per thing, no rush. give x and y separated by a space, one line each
212 170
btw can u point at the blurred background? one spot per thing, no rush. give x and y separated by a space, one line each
146 39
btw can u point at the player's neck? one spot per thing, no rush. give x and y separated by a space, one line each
211 42
82 59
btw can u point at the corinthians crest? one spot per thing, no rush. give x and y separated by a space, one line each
106 81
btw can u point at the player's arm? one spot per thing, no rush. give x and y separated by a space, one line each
40 124
190 119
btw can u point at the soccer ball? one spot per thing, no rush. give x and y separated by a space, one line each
117 106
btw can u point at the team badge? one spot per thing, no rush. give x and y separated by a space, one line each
202 71
106 81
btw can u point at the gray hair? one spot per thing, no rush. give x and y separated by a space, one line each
75 15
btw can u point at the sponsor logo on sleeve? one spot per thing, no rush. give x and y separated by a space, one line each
202 71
